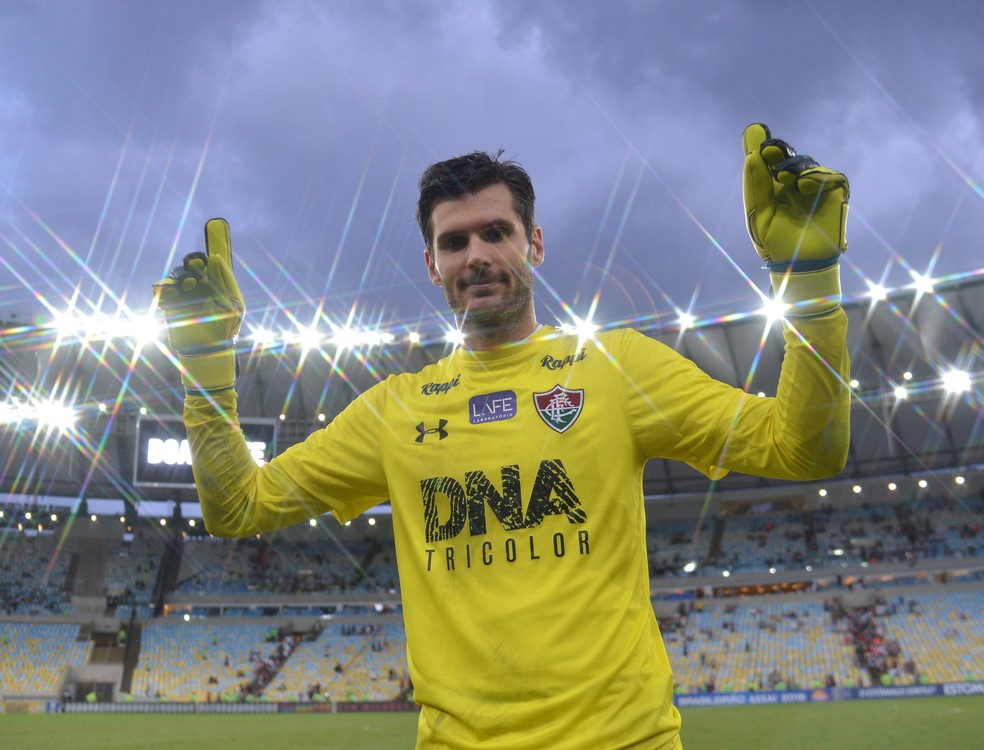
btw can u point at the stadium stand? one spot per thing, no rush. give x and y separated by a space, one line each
942 633
33 573
198 662
303 615
358 661
34 656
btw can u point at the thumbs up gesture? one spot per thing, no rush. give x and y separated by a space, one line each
203 308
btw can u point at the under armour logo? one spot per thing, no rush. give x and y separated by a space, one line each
439 431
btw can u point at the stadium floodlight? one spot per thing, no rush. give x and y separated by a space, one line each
690 567
9 413
454 336
371 338
346 338
93 327
774 310
956 381
856 489
65 323
308 337
262 337
907 375
901 393
822 492
49 414
923 483
55 414
686 321
726 573
959 479
892 486
877 292
372 521
583 328
143 329
413 337
855 383
923 284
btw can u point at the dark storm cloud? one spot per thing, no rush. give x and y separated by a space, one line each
125 125
887 92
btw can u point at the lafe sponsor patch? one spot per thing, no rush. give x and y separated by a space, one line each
559 407
492 407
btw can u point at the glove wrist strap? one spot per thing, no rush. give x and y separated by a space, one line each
807 292
802 266
203 374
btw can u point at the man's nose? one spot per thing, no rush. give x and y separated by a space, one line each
479 252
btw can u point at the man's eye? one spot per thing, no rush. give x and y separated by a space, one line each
455 243
496 234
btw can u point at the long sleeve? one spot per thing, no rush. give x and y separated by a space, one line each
336 469
802 434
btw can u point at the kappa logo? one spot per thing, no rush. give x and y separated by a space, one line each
423 432
553 363
559 407
429 389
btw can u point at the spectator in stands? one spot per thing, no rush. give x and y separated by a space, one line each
522 453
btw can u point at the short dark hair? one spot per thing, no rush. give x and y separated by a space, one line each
466 175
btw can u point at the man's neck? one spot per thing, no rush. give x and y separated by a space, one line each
480 339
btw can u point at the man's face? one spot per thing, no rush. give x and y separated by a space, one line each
483 259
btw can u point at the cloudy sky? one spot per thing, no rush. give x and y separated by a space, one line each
125 125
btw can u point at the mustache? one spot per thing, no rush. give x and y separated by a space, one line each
482 276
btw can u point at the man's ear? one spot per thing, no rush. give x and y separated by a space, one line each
432 272
536 247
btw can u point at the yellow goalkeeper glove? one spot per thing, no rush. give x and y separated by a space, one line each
203 308
796 214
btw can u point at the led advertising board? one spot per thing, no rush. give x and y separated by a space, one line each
163 459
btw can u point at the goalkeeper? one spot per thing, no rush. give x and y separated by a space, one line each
514 465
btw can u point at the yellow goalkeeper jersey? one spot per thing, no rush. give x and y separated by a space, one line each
515 478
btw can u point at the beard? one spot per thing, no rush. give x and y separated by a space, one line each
505 306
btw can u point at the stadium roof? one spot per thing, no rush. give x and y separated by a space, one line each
911 339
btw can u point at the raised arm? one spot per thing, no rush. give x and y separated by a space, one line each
795 212
796 215
204 309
